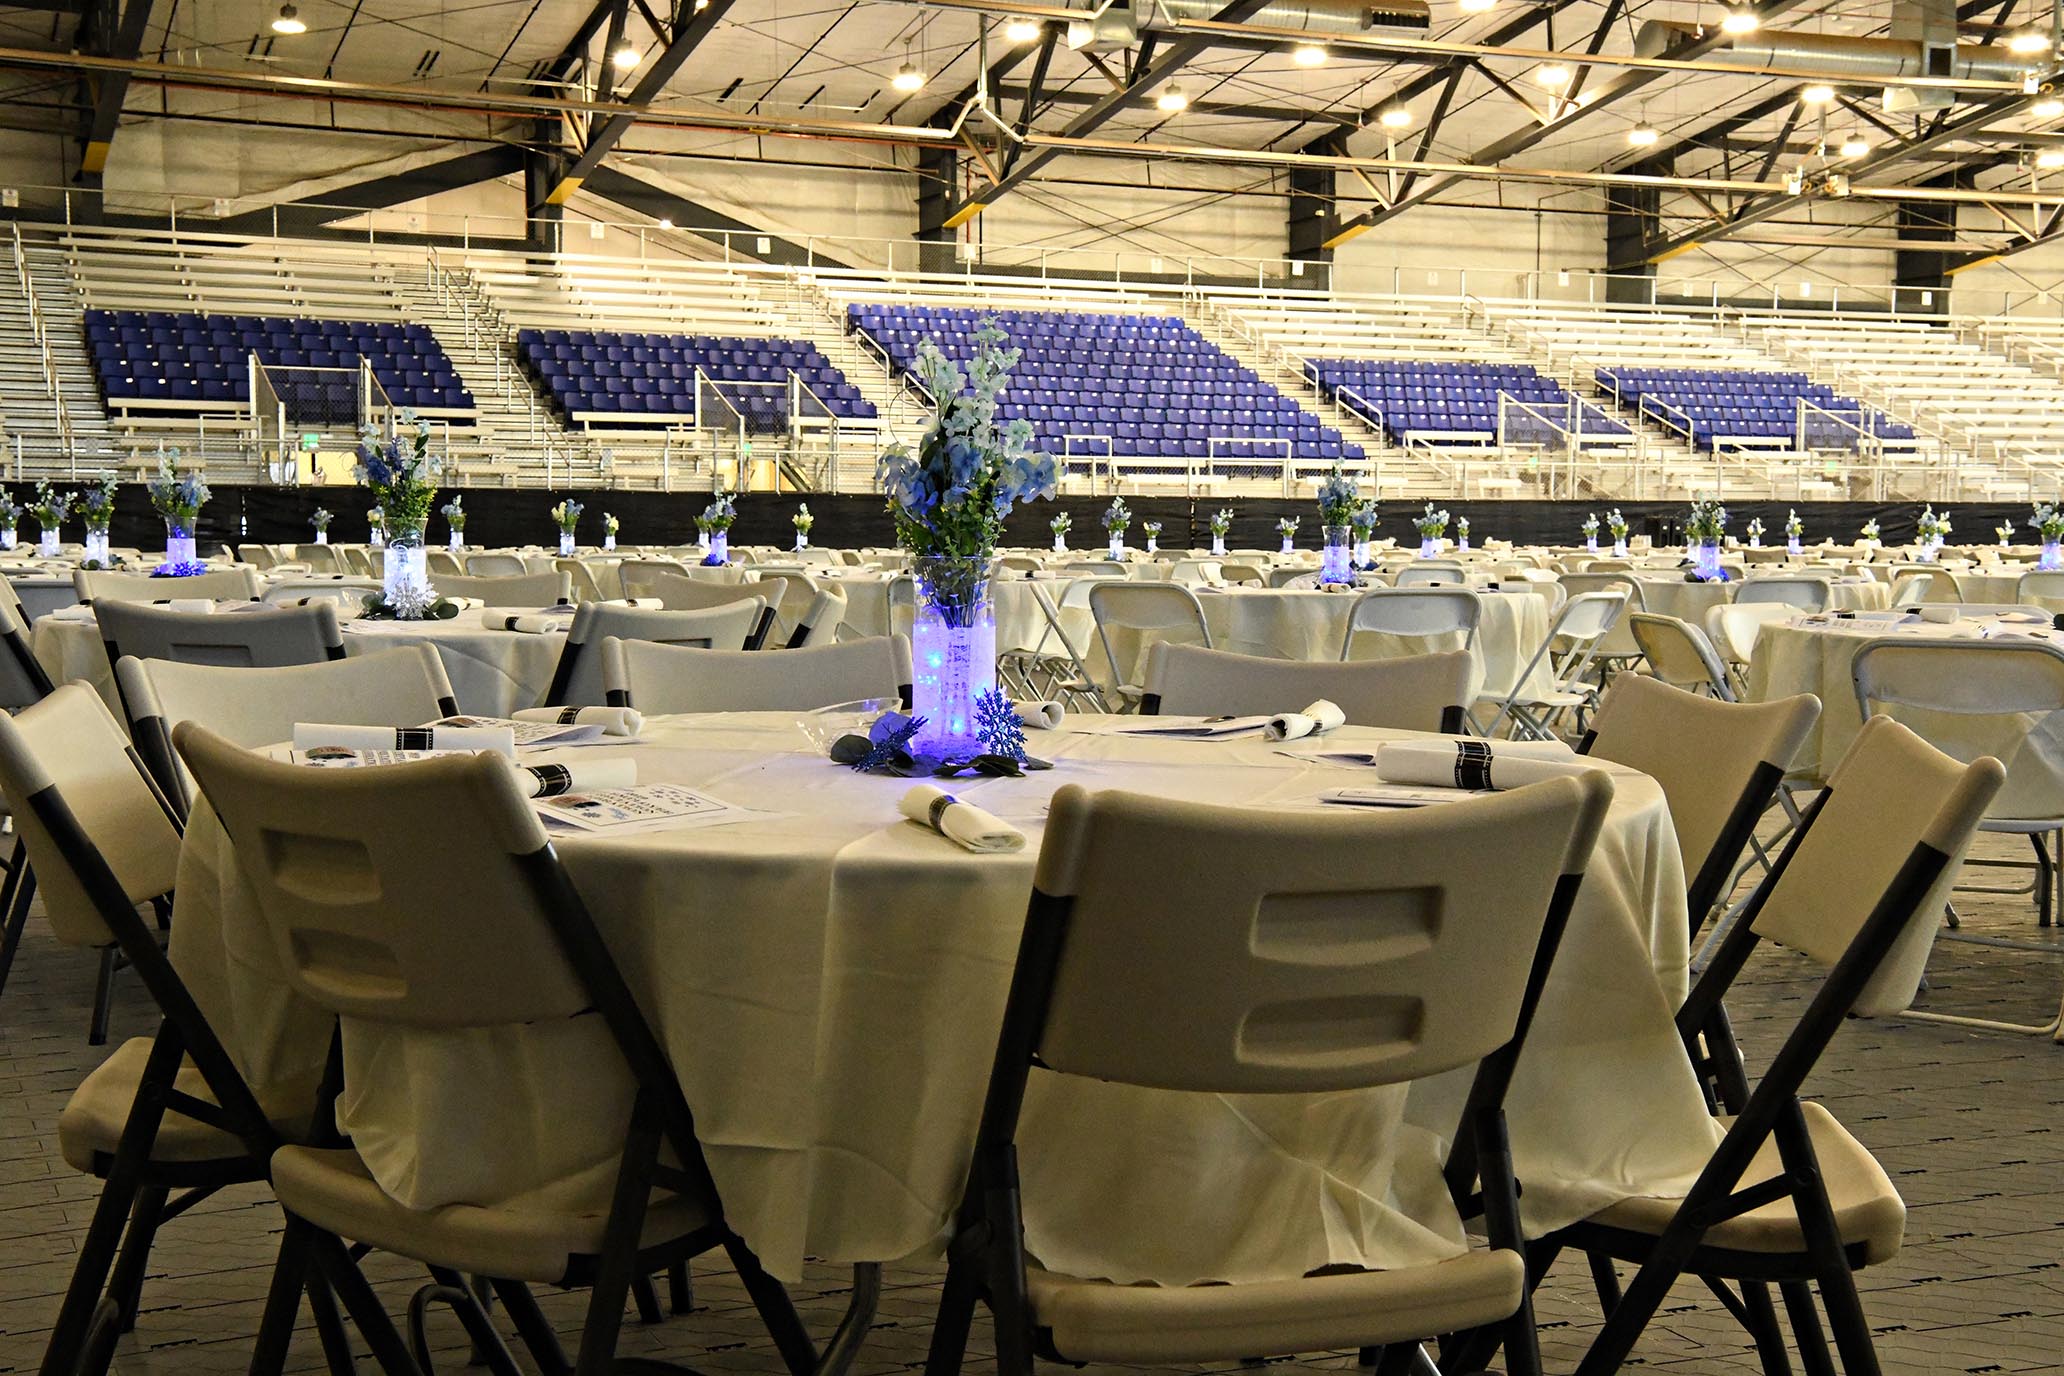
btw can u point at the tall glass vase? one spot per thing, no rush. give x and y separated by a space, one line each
179 544
1218 546
97 544
8 538
458 538
50 541
566 544
1117 550
953 646
719 548
1705 559
1793 546
2050 558
1429 546
322 537
1336 564
405 576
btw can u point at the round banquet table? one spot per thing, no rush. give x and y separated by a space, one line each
1280 623
829 980
492 673
1816 655
1688 601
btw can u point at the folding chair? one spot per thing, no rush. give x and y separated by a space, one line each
1582 625
1415 613
671 678
254 639
1164 610
1428 692
1805 594
577 678
1679 654
496 566
512 590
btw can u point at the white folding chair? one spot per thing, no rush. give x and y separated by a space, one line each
1429 571
2040 585
1414 613
1166 611
495 565
511 590
1533 712
1806 594
1425 692
265 638
669 678
217 585
577 679
1679 654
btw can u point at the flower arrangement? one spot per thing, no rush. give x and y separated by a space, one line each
951 496
802 520
1338 498
1221 523
10 517
97 502
1870 531
1363 518
2048 520
1151 529
1932 528
1462 531
610 525
320 518
176 496
1794 528
376 522
1755 530
1117 516
567 515
397 472
719 514
1060 525
1616 526
1287 528
454 513
1432 523
50 507
1590 527
1707 522
2005 531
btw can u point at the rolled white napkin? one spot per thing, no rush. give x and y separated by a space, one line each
314 735
641 603
964 824
1315 720
529 623
614 721
1040 716
551 780
1475 764
195 606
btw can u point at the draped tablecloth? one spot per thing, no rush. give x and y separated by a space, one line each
1817 655
828 981
1689 601
492 673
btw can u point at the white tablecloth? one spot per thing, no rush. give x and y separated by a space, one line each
829 979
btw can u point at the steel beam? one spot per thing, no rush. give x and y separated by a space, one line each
121 38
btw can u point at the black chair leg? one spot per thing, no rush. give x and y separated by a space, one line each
290 1275
1368 1356
956 1317
533 1327
19 891
777 1310
343 1275
103 995
1764 1328
1813 1348
329 1328
126 1285
646 1297
1605 1278
680 1288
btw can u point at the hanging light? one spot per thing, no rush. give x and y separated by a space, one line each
626 57
1308 55
1741 19
1856 145
1643 135
666 224
1021 31
289 21
1171 101
2029 41
2050 159
1554 75
908 79
1395 116
1819 93
2049 107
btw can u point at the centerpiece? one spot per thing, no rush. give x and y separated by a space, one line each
1462 532
1933 529
396 470
1590 529
1705 527
454 513
10 519
97 508
610 525
716 519
1287 528
1794 533
1363 520
2048 521
1152 530
566 516
949 501
1616 526
2005 531
50 507
178 498
376 528
1869 536
320 518
1432 525
802 521
1060 526
1220 525
1117 517
1755 532
1338 501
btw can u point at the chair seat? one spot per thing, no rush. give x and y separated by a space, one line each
1097 1321
521 1239
90 1127
1868 1210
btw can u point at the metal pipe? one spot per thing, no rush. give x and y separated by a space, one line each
1831 55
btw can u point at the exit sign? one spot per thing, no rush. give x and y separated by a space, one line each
311 441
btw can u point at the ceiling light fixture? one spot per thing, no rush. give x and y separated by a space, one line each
2047 108
908 79
1856 146
1395 117
666 224
2050 159
1172 101
1021 30
1741 19
1643 135
1820 93
1478 6
1554 75
1308 55
626 57
289 21
2028 42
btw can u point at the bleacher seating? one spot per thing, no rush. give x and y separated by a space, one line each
153 359
607 377
1735 407
1149 386
1441 402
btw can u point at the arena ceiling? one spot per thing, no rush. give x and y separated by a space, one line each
1452 100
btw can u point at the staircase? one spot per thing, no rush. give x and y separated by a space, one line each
49 397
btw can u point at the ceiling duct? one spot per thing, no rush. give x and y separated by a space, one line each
1120 23
1923 45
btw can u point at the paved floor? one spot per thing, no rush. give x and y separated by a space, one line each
1971 1126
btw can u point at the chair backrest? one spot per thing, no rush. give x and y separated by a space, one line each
667 678
357 559
369 922
581 578
219 585
2039 585
514 590
1427 692
635 576
248 639
821 620
1911 587
1293 576
1719 764
1165 610
342 593
1807 594
1242 572
1206 571
23 680
1679 654
258 557
1443 571
1416 612
402 686
321 558
442 563
1199 946
1942 688
1732 627
791 597
71 742
495 565
577 681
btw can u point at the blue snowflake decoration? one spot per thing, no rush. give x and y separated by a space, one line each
997 725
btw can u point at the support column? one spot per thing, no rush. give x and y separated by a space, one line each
1313 192
1921 275
938 187
1633 221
